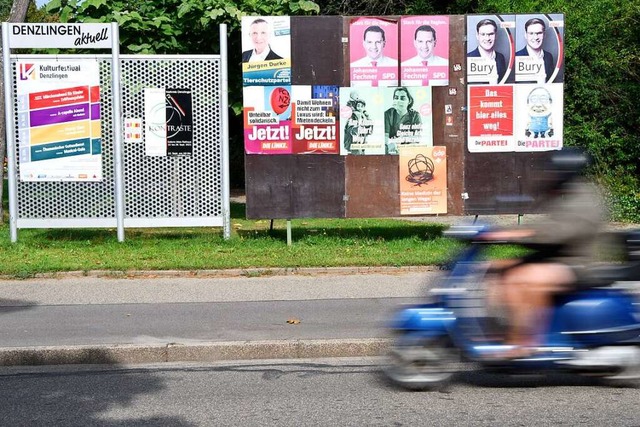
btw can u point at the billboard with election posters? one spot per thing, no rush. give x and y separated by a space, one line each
267 119
423 180
361 121
490 48
168 122
424 51
266 50
373 52
314 119
407 117
58 107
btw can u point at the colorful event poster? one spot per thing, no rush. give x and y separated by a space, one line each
539 47
168 122
266 50
267 119
373 52
423 180
424 51
490 48
58 104
361 121
407 117
538 116
314 119
490 118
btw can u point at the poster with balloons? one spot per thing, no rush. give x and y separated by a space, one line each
267 119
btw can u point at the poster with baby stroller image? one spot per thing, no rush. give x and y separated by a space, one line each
538 111
361 121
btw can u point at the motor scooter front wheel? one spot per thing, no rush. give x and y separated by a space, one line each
421 363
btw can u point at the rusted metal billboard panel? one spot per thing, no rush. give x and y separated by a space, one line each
372 187
316 50
294 186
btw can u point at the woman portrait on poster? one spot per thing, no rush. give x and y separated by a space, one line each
402 124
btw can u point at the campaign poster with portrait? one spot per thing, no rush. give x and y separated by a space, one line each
266 50
491 118
267 119
58 110
408 118
373 52
361 121
423 180
424 48
539 45
539 115
314 119
490 48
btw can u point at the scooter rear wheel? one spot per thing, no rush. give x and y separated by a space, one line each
421 363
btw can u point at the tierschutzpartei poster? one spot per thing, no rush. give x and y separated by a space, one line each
266 50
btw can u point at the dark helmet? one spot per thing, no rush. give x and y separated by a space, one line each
565 165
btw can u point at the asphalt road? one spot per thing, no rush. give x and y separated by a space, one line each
336 392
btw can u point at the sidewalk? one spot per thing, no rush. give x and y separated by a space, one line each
101 320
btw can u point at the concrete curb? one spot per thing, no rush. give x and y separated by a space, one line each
205 352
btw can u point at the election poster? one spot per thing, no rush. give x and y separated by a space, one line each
490 49
491 118
266 50
408 117
373 52
267 119
423 180
361 121
58 104
538 121
168 118
539 47
314 119
424 51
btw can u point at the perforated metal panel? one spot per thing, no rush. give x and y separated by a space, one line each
159 191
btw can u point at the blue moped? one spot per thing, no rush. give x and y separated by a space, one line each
592 332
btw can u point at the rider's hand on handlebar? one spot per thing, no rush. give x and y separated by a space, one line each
508 235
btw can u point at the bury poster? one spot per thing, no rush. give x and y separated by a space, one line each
266 50
490 49
58 104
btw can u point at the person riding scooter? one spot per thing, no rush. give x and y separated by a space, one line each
564 247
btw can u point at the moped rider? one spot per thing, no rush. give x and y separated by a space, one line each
564 246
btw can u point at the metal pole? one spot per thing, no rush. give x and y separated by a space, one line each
117 129
288 232
10 134
224 115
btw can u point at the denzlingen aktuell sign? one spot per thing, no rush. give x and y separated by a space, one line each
86 36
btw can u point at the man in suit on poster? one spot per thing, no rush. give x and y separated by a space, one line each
259 33
534 35
486 32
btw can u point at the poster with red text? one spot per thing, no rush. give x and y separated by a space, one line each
538 117
491 119
423 180
314 119
58 105
267 119
373 52
424 48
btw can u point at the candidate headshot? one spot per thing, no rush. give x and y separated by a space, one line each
486 33
534 33
424 41
374 42
260 33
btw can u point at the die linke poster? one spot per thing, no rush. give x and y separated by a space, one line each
59 120
423 180
267 119
424 42
314 121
